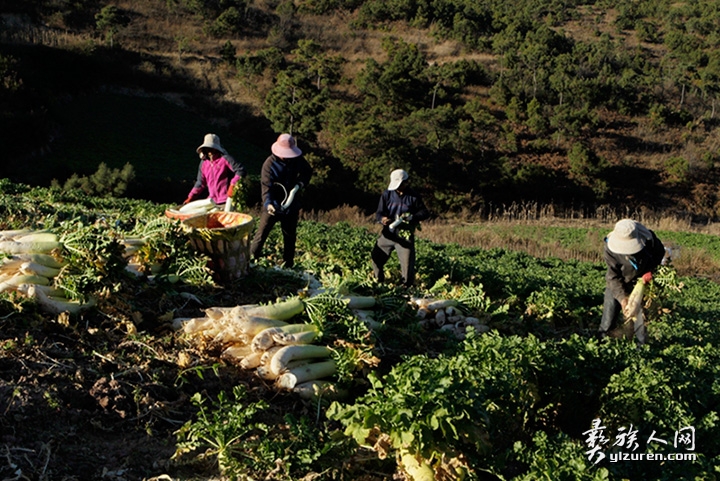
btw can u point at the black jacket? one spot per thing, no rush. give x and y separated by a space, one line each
392 204
623 270
279 176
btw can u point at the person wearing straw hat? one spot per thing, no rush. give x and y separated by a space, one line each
218 173
632 251
283 174
400 211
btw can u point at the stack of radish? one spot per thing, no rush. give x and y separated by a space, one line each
263 339
446 315
196 207
29 266
28 259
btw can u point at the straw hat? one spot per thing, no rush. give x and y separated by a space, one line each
285 147
212 141
628 237
397 177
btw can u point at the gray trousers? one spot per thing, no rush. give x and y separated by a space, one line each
406 255
611 313
288 224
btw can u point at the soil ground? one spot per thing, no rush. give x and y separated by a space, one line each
82 399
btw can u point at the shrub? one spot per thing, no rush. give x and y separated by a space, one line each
105 182
585 165
227 23
676 170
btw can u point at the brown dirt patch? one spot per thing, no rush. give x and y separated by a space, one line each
89 399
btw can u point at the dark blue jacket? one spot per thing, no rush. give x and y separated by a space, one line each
279 176
392 204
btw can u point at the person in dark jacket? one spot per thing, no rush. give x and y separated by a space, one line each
283 174
218 173
632 251
400 210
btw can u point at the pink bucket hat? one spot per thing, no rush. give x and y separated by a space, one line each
628 237
285 147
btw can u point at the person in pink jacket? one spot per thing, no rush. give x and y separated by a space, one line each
218 172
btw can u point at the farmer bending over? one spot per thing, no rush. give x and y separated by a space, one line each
631 251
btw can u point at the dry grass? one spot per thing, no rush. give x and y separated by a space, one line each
503 235
345 213
505 230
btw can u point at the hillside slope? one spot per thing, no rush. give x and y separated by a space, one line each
655 149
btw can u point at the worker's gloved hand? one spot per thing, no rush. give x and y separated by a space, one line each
187 201
271 209
647 277
231 190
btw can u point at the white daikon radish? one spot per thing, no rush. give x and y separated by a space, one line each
13 282
251 361
42 247
198 324
286 354
319 388
309 372
37 237
199 206
237 351
31 267
441 304
56 305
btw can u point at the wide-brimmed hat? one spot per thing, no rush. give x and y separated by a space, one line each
628 237
397 177
212 141
285 147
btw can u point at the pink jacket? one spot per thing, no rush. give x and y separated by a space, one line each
215 177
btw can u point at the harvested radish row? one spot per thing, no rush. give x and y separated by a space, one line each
53 305
31 267
447 316
260 337
309 372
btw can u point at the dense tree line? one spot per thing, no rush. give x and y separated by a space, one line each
547 92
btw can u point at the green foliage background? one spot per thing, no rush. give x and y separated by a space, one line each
635 83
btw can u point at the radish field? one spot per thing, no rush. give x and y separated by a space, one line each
525 391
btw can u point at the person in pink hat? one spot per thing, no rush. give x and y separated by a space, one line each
632 251
218 172
283 174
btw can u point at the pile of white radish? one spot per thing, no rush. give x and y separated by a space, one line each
132 247
444 314
33 266
30 265
263 339
197 207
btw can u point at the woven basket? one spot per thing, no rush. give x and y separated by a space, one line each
225 238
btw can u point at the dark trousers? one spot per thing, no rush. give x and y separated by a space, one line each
406 255
611 314
288 224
